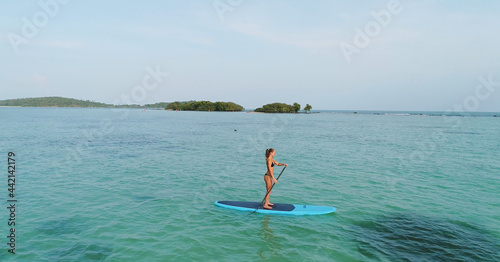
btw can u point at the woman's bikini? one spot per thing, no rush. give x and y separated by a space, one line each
272 165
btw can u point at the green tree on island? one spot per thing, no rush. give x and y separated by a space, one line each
296 106
276 108
204 106
308 108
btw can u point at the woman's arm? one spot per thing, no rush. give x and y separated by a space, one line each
279 164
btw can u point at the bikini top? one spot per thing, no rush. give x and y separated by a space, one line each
272 165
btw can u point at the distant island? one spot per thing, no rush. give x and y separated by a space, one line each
282 108
51 102
55 101
204 106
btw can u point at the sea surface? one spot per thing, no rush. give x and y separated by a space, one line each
140 185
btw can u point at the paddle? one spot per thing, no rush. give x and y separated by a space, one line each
261 202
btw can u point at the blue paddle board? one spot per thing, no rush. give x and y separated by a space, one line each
282 209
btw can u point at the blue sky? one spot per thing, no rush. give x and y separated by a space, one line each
422 55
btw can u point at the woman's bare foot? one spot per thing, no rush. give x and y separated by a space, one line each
267 207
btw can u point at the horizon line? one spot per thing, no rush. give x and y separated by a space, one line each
246 109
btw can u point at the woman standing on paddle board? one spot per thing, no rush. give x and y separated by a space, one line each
269 176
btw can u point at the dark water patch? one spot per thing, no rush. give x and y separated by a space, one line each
411 237
462 133
427 127
81 252
62 226
142 198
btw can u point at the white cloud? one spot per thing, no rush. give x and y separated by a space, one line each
62 44
315 40
39 79
191 36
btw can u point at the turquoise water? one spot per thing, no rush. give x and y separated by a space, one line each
134 185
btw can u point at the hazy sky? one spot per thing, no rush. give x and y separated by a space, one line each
343 55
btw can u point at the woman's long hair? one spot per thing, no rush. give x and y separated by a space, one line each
268 152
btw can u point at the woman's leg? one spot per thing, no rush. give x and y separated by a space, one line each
269 184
